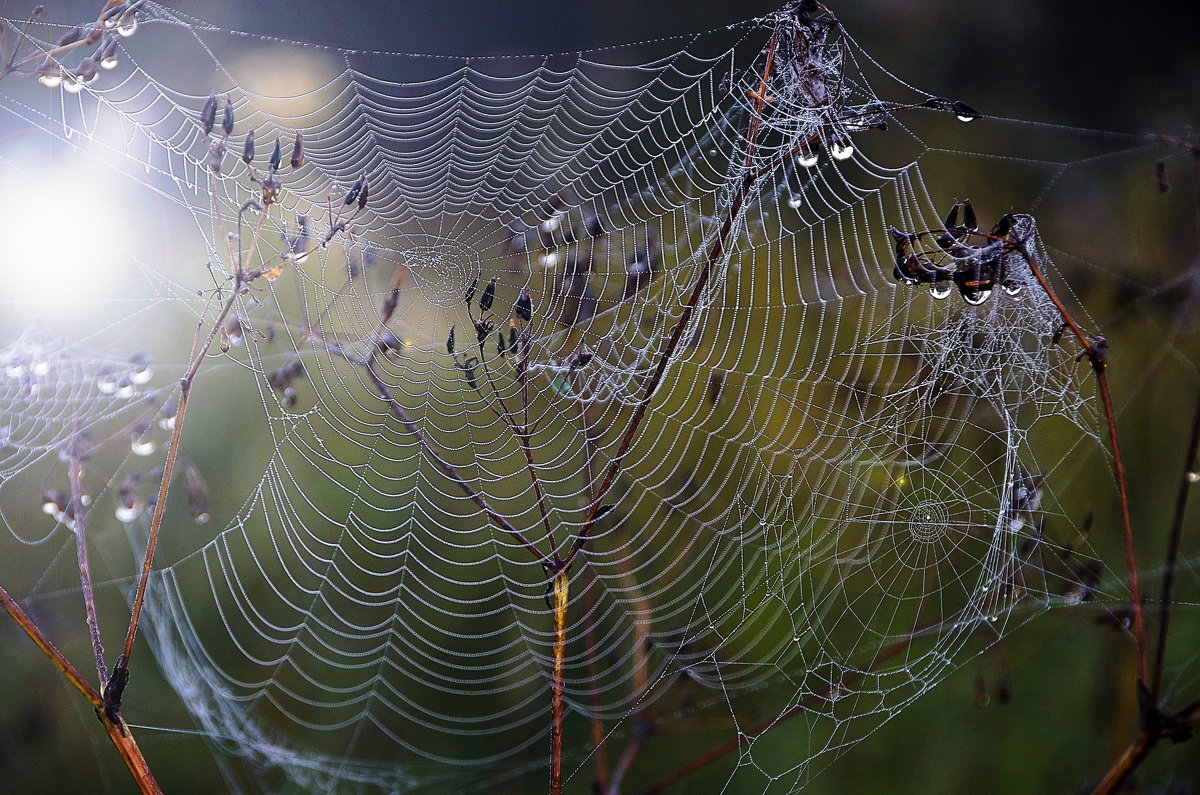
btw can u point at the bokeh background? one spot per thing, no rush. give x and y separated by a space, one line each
1047 709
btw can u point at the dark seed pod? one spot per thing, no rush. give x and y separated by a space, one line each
248 149
276 156
512 338
523 308
450 342
352 194
489 295
362 194
227 117
208 114
470 293
483 329
582 359
468 368
298 151
501 346
970 222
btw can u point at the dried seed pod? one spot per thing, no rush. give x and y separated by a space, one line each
450 342
362 195
512 337
227 117
501 345
298 150
468 368
483 329
469 295
489 295
352 194
523 308
208 114
107 56
248 148
276 158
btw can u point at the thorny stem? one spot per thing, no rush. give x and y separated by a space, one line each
116 728
562 584
1097 356
79 517
749 177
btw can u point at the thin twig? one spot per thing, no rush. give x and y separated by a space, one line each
1097 356
79 513
749 178
562 584
1181 498
117 730
447 468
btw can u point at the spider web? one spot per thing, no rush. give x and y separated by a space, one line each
843 487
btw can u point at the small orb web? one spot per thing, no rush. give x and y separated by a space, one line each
694 318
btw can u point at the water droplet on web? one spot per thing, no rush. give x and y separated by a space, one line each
908 281
796 638
1193 477
126 514
128 28
977 298
841 151
794 201
1013 288
941 290
807 158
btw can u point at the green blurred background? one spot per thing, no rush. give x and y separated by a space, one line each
1049 707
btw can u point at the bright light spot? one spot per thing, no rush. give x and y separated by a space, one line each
64 224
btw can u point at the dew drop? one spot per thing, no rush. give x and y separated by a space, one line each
50 81
841 151
941 290
794 201
128 27
72 85
977 298
142 446
1193 477
1012 288
127 513
908 281
807 158
796 638
109 63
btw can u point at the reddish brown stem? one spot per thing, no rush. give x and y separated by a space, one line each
750 176
1097 356
561 586
117 730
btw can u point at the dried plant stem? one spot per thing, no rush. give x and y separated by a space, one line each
749 177
1096 355
640 730
199 350
447 468
561 587
79 517
118 732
